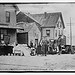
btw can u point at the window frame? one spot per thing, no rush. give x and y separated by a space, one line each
7 16
3 33
59 32
48 34
55 33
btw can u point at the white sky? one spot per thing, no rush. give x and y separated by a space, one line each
67 9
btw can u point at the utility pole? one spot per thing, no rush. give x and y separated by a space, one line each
70 33
71 36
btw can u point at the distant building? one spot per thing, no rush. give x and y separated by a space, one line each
8 23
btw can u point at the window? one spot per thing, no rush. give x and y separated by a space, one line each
56 33
4 37
3 32
59 25
7 16
48 32
59 32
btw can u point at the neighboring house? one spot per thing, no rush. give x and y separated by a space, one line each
30 33
52 24
8 23
32 30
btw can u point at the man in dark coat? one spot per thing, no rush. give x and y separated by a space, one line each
46 47
31 44
59 45
38 49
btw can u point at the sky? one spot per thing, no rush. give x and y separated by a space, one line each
67 10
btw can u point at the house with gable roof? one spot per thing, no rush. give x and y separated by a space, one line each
52 24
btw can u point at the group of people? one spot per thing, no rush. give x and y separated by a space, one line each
46 47
49 47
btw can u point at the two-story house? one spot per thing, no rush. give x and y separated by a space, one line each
8 23
52 24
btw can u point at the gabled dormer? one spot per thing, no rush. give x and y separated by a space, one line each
59 23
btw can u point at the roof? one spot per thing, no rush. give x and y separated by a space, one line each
24 17
11 5
48 19
16 7
44 20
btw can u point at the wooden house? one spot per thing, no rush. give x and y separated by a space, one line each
52 24
8 23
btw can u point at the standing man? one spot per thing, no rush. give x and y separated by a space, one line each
46 47
59 45
38 49
31 44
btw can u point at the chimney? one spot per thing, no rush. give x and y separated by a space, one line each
45 13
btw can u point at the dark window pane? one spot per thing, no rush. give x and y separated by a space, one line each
7 16
59 32
56 33
48 32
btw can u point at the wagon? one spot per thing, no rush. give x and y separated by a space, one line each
66 49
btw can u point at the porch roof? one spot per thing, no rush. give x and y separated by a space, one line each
10 27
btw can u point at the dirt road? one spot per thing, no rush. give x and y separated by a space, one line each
50 62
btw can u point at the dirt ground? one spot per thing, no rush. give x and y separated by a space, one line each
38 63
